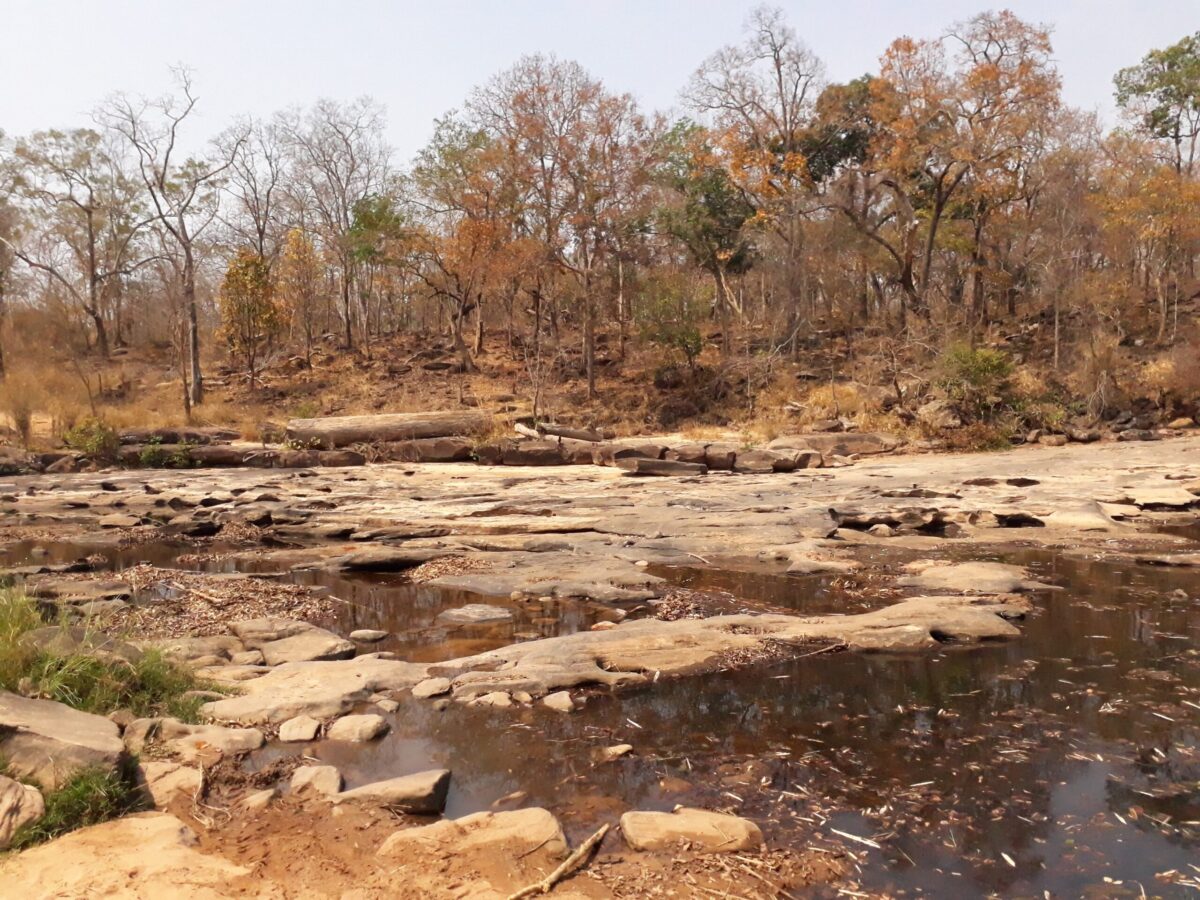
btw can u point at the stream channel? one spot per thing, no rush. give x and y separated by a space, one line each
1066 761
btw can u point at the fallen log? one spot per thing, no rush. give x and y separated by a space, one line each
639 465
341 431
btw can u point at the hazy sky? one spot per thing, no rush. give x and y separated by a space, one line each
59 58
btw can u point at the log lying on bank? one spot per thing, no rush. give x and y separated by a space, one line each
845 443
341 431
639 465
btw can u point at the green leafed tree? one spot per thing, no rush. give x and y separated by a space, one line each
1163 91
706 212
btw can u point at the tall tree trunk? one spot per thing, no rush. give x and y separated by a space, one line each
196 389
346 316
723 308
589 337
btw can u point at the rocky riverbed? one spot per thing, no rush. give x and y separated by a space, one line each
543 651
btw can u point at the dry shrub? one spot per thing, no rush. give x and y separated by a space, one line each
42 400
1101 371
1173 379
980 436
20 398
703 433
832 401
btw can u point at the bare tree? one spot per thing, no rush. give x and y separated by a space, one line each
339 159
83 217
183 191
255 185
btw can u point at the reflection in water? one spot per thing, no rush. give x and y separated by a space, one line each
1070 752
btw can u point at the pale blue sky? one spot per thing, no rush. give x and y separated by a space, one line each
59 58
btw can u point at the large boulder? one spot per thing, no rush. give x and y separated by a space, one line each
708 831
288 640
608 453
939 414
20 804
761 462
720 456
49 742
516 834
422 794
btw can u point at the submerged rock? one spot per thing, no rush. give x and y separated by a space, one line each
969 578
475 614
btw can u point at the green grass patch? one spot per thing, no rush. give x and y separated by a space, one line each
150 686
90 797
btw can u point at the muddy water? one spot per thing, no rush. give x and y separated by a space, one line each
1067 761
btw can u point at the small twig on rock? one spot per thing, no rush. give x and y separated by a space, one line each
572 862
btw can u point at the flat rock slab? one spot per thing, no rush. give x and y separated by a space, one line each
475 614
624 655
969 578
286 641
516 834
558 574
208 742
49 742
142 857
708 831
318 689
421 794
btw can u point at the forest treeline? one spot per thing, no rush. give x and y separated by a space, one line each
946 196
